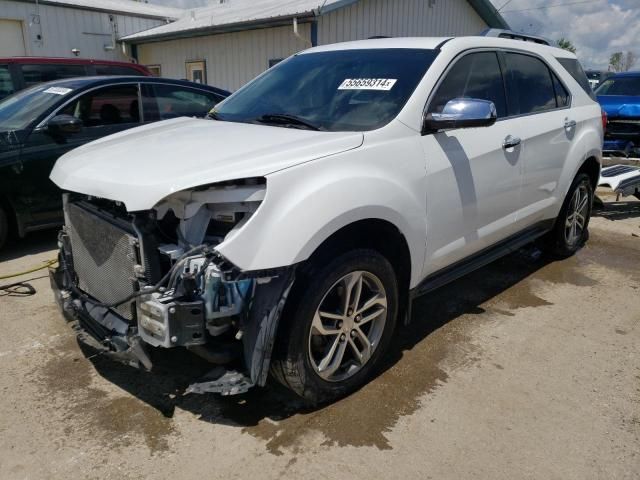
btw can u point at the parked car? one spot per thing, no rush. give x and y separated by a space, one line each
41 123
619 96
18 73
295 230
596 77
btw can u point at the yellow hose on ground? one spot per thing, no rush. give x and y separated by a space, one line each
47 264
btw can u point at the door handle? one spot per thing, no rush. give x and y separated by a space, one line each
511 142
569 124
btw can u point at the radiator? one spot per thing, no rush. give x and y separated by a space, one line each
104 257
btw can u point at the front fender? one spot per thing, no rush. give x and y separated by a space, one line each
306 204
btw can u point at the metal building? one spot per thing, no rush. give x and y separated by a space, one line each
67 28
228 43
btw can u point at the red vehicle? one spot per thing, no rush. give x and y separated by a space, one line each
17 73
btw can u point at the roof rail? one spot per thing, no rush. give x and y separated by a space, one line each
500 33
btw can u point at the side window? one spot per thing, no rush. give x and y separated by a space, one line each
562 96
476 75
531 89
6 84
574 68
116 70
107 106
173 101
34 74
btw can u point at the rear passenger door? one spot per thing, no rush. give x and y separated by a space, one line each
539 110
473 180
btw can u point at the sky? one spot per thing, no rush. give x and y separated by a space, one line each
597 28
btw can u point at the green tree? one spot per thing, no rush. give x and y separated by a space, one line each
621 61
566 44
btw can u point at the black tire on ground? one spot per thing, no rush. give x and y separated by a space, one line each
293 365
558 240
4 227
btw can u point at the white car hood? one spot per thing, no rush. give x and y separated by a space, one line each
141 166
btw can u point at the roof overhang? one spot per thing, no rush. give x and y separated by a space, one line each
489 14
484 8
115 11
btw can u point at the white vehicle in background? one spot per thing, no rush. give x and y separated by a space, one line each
290 232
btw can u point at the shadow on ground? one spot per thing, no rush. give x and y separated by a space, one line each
32 244
618 210
440 324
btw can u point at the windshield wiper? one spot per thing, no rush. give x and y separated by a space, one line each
285 119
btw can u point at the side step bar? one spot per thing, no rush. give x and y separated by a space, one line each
480 259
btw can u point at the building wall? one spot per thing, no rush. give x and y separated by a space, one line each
399 18
235 58
61 29
232 58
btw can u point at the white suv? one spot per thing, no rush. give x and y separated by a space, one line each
291 230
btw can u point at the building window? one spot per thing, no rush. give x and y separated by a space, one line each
197 71
274 61
156 70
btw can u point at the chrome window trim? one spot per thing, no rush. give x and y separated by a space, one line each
496 50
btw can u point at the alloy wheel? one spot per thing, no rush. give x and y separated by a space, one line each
347 326
576 216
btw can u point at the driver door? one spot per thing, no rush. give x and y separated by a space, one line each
473 182
103 111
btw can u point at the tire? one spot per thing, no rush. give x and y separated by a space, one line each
302 347
563 241
4 227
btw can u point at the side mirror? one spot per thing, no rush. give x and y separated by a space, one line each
462 113
62 125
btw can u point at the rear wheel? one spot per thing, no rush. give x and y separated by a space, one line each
339 327
571 229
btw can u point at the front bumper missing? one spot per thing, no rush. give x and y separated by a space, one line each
106 331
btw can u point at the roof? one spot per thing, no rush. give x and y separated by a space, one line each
76 83
126 7
71 61
233 15
427 43
444 43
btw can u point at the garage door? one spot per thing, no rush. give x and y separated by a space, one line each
11 38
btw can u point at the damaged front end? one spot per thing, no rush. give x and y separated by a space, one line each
147 281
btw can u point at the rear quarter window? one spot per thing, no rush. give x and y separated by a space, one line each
572 65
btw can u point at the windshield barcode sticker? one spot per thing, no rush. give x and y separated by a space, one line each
58 90
384 84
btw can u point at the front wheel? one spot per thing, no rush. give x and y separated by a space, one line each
339 327
571 228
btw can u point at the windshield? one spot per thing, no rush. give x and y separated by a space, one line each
346 90
20 109
628 86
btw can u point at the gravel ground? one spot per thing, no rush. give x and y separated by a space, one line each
528 368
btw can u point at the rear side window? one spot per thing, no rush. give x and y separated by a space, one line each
170 101
531 86
117 70
476 75
34 74
574 68
6 84
107 106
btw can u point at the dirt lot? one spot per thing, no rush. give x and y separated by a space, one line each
526 369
